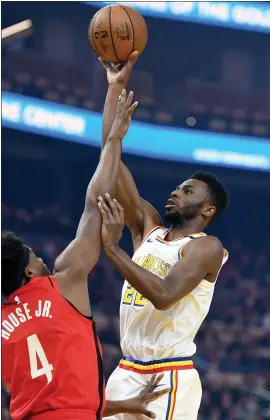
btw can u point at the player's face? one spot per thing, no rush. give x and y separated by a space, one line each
36 266
187 201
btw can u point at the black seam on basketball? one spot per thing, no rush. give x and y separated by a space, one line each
132 28
92 30
117 58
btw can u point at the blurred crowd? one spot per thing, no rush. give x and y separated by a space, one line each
207 78
203 105
233 345
204 77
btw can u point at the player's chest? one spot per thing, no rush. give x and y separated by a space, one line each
155 258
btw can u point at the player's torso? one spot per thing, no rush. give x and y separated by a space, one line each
149 334
50 352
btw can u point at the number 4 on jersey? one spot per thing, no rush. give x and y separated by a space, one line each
35 350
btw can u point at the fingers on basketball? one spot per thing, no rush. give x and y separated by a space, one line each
104 65
133 57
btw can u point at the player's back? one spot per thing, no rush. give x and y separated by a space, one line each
52 357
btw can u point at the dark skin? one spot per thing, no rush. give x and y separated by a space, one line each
78 259
140 215
138 404
189 211
72 267
183 277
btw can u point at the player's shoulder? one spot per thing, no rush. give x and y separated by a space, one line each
210 240
207 245
48 282
215 245
37 287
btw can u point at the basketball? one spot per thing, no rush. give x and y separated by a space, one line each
116 31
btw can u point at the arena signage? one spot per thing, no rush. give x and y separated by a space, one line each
251 16
143 139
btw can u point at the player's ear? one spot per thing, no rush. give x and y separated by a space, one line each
209 211
28 273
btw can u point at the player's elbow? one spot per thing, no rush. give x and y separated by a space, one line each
160 306
162 302
91 199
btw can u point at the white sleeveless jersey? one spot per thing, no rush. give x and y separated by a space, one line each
147 333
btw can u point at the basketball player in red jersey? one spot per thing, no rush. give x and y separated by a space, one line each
52 361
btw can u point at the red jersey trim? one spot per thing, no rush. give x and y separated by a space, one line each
63 414
101 390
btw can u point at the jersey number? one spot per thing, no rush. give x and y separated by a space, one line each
36 351
128 297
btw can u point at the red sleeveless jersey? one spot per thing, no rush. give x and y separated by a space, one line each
51 356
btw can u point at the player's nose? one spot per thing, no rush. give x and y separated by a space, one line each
174 194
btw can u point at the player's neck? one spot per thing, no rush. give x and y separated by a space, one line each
186 229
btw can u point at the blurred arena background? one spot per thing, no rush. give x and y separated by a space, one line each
203 84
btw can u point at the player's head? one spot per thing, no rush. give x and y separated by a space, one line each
19 263
201 197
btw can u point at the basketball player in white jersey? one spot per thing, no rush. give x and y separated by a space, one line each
169 282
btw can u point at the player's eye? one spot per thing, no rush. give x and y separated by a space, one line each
188 191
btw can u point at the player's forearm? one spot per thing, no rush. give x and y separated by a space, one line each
112 408
149 285
126 191
116 407
110 109
105 177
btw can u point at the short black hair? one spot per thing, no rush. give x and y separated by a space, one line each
12 255
217 193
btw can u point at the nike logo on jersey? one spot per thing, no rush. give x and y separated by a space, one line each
150 240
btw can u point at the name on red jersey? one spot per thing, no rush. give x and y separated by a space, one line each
23 314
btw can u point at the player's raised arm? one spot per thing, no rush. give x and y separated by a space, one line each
77 260
183 277
140 216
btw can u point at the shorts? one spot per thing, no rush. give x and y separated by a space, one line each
181 403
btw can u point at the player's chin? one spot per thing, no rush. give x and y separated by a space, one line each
170 215
171 210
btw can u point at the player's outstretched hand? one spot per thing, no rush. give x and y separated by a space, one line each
112 221
123 116
119 73
137 405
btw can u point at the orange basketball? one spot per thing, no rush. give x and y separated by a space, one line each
116 31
